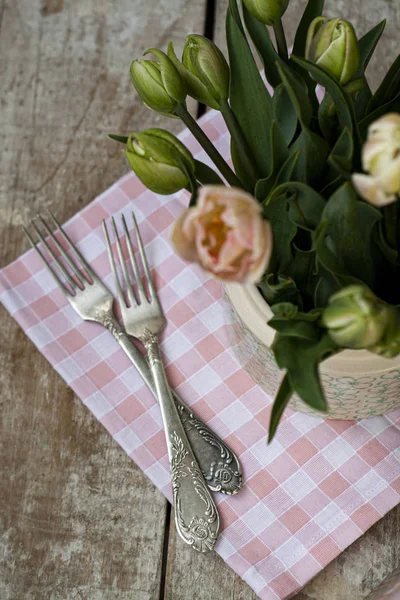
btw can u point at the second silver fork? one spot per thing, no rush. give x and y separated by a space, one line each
196 515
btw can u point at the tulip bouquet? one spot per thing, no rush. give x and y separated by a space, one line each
310 211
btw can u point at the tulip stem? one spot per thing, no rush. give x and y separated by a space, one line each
281 40
211 150
241 144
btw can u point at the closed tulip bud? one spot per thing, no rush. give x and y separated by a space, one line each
356 318
332 44
205 61
389 346
160 160
267 11
158 83
194 86
381 160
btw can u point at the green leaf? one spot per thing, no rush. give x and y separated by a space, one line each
305 205
303 270
325 288
282 399
389 88
280 288
313 152
392 106
249 98
297 329
301 358
348 223
265 48
266 187
280 155
284 231
119 138
284 113
297 91
206 175
313 9
340 99
367 45
329 261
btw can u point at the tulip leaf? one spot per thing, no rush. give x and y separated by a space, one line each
266 187
389 88
303 270
294 328
313 9
284 113
350 223
325 288
328 259
368 43
280 288
313 152
119 138
301 358
305 205
297 91
392 106
332 86
284 231
262 41
249 98
282 399
206 175
280 154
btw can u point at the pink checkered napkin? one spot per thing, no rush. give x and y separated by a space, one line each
317 488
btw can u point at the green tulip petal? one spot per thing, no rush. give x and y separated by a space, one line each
151 92
159 178
171 79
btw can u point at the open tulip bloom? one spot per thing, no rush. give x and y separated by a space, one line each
310 212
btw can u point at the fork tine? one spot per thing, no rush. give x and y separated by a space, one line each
50 269
144 260
142 293
54 257
70 262
128 282
74 249
112 264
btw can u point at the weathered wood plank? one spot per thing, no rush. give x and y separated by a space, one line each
78 519
206 577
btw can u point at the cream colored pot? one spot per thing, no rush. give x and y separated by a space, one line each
357 383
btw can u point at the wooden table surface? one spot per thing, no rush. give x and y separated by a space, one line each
78 519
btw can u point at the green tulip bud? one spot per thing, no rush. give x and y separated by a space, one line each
205 61
158 83
160 160
356 318
389 345
332 44
267 11
194 87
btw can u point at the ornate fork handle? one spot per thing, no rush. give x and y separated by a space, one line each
196 516
219 465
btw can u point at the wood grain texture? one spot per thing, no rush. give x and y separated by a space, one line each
78 520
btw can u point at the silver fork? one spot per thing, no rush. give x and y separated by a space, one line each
93 301
196 515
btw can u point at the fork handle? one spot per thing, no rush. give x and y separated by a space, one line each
196 515
219 465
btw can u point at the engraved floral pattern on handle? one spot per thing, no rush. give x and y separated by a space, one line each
224 473
198 533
